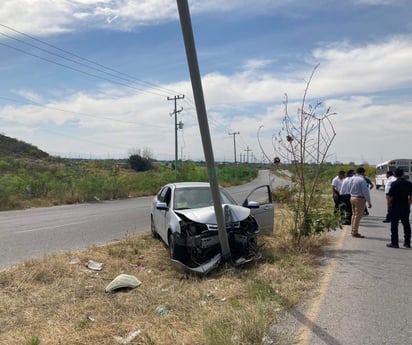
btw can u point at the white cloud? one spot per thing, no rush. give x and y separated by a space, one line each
115 120
47 17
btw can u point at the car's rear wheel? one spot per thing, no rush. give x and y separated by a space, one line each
153 228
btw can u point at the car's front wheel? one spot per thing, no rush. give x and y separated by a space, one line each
175 251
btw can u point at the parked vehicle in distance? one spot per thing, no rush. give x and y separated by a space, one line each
183 216
392 165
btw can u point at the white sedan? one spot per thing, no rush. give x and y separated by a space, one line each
183 217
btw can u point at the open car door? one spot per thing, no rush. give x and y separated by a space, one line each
265 213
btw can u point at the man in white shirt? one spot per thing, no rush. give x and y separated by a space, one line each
390 179
336 186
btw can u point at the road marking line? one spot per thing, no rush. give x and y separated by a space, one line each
49 227
306 330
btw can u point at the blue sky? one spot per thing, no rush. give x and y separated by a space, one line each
68 97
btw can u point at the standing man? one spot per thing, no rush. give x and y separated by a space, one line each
345 195
359 196
390 179
400 197
336 186
370 186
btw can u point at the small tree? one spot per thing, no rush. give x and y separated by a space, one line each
140 163
144 152
304 142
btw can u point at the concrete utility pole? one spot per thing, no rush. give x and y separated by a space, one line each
234 143
187 31
247 154
175 112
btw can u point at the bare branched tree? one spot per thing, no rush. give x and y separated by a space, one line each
304 142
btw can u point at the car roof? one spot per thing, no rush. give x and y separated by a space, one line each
190 184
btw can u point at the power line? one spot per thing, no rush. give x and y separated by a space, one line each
78 70
152 85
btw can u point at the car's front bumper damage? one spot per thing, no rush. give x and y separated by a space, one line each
199 239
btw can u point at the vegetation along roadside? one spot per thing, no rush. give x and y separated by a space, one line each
59 300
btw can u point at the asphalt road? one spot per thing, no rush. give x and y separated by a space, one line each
365 295
26 234
31 233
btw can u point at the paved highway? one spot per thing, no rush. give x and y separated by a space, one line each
26 234
365 293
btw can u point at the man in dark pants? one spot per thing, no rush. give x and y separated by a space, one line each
336 187
390 179
400 197
345 195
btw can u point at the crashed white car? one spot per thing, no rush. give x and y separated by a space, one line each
183 216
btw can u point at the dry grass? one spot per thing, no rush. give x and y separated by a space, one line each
58 300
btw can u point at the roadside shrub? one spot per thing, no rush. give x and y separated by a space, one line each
140 163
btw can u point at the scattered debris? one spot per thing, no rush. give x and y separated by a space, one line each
74 261
124 341
162 310
89 318
267 341
137 267
94 265
123 281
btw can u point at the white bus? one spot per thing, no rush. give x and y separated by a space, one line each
383 168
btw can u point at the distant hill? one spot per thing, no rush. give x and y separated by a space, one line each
10 147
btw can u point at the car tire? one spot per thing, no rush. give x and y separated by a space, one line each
153 228
175 251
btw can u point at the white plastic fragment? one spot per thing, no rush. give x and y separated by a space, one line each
94 265
124 341
123 281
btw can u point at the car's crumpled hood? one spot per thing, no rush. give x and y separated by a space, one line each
206 215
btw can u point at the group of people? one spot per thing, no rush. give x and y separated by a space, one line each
352 198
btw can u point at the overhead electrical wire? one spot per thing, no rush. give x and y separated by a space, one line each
78 70
131 81
131 78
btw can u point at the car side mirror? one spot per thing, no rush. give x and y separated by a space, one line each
161 206
252 204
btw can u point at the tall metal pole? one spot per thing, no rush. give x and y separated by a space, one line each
186 24
234 143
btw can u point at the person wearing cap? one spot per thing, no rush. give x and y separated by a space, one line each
359 197
400 198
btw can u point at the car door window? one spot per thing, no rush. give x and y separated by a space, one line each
265 213
164 195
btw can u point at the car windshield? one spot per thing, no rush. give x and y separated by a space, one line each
198 197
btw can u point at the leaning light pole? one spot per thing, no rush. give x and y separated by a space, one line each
185 22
